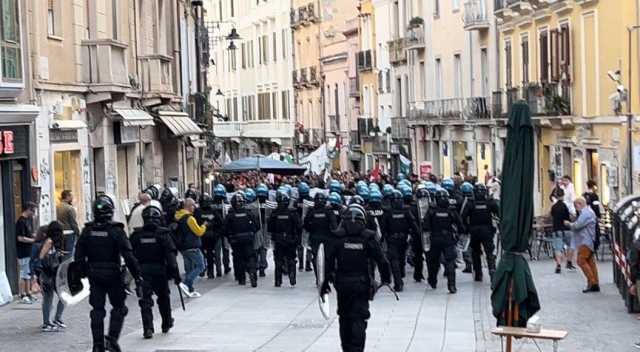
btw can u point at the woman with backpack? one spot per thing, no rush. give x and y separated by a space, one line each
50 257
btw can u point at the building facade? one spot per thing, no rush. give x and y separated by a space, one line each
255 102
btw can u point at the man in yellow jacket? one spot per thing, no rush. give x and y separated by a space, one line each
189 237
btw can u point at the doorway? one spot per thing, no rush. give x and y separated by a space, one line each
68 176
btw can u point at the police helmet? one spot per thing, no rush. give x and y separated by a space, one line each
166 196
404 182
421 191
334 186
262 191
373 186
250 195
152 215
467 189
448 184
375 196
205 200
355 213
364 193
387 190
400 177
303 189
320 200
357 200
335 198
442 198
190 194
238 200
283 199
361 184
153 191
396 199
480 191
103 208
220 191
406 191
431 187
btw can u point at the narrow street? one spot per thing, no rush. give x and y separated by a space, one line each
233 318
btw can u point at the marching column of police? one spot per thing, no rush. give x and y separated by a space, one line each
381 230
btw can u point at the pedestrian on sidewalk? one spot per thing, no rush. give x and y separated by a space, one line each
25 239
67 218
135 220
559 214
189 235
584 229
50 256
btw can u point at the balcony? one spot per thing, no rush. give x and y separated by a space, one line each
294 19
475 15
365 60
399 128
334 124
365 127
354 140
312 137
294 76
397 51
379 145
104 65
452 109
156 71
415 38
314 80
354 87
304 80
302 16
311 13
520 7
502 10
268 129
227 129
547 99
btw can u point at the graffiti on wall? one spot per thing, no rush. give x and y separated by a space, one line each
45 196
86 188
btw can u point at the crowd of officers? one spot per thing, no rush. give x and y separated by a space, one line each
375 232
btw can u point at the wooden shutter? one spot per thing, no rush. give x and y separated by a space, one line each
525 59
555 55
544 56
565 62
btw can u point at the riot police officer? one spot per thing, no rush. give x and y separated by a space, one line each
156 253
99 249
375 213
221 248
239 227
286 232
465 201
441 225
262 241
335 203
398 224
319 222
347 267
387 195
478 217
206 214
304 262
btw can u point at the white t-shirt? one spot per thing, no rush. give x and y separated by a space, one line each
569 198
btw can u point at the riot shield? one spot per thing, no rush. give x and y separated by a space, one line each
425 238
306 205
70 285
323 300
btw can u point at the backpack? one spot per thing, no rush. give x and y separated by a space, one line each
175 229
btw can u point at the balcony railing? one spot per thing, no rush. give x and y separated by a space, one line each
365 127
334 124
294 75
415 38
475 108
104 62
475 15
313 76
311 13
547 99
397 51
379 145
156 73
399 128
268 129
354 140
304 80
302 15
294 18
227 129
365 60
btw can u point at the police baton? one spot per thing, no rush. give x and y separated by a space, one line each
181 297
390 289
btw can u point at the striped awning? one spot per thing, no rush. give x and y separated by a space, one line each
179 123
134 117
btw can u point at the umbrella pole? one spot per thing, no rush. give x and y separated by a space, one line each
513 315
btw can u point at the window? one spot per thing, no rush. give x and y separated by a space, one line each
259 51
423 80
284 43
455 4
285 105
251 62
235 108
484 71
54 25
220 10
243 49
11 51
264 106
274 105
337 107
554 53
457 76
438 79
508 64
388 80
114 18
436 8
232 60
381 82
265 49
275 52
565 51
525 59
544 56
232 8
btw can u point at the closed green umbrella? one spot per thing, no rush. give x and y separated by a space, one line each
513 281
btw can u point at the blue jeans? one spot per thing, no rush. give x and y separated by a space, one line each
47 304
193 266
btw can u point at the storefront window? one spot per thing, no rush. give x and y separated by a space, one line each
68 176
484 157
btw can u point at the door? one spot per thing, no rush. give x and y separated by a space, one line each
68 176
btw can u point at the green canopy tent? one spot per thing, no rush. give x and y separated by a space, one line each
514 297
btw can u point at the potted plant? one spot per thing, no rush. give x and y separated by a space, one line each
416 22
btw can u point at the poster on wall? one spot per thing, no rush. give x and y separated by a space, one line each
426 167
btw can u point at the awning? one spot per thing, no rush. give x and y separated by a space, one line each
197 142
179 123
67 124
277 141
134 117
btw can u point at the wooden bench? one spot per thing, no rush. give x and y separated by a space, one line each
544 334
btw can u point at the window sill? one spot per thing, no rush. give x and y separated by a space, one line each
55 37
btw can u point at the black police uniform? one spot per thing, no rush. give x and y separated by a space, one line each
221 253
239 227
286 234
304 262
207 214
442 224
478 219
415 241
262 241
347 265
320 222
398 225
375 215
99 249
156 254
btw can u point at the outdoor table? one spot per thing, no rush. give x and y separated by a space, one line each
544 334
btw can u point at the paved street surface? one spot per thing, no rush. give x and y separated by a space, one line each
232 318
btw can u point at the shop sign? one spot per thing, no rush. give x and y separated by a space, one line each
6 143
63 136
426 167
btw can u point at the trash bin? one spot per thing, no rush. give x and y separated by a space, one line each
625 230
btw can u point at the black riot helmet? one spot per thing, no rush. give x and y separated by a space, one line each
397 202
190 193
354 219
442 198
357 200
152 216
480 191
283 200
166 197
103 208
237 201
320 200
205 200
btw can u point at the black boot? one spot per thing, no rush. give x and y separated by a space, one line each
432 283
278 275
98 348
262 274
467 268
451 283
148 333
254 279
111 344
477 277
292 273
166 326
399 287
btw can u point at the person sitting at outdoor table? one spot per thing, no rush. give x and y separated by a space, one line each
584 229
